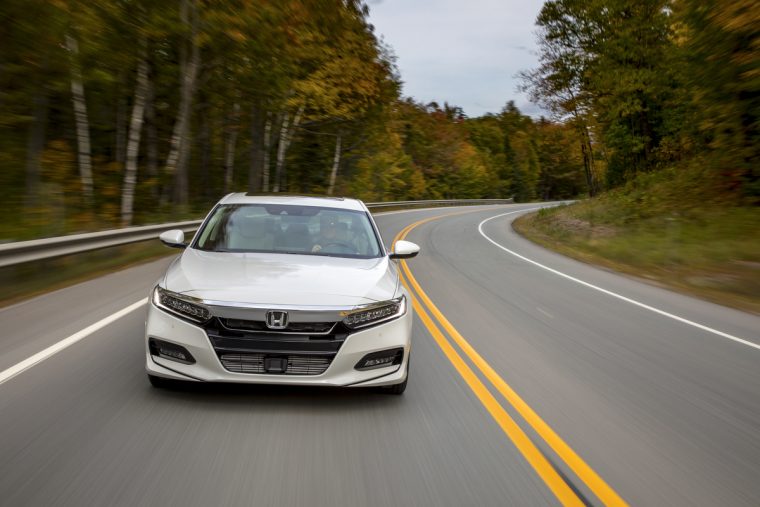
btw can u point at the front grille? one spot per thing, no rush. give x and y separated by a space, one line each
254 363
274 353
293 327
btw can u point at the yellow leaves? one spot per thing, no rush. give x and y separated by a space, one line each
61 192
60 4
236 35
58 162
738 15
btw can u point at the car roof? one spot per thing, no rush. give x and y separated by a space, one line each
298 200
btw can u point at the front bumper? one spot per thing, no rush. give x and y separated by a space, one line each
341 372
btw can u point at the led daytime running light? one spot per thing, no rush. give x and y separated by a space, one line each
366 317
172 302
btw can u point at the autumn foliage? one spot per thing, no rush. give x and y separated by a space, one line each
131 111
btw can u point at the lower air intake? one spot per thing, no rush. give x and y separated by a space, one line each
257 363
243 363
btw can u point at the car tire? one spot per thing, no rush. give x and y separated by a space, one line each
398 389
160 382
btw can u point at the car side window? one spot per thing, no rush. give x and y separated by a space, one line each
210 232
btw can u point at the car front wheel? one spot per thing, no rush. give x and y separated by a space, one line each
398 388
160 382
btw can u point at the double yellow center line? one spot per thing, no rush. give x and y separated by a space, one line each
424 308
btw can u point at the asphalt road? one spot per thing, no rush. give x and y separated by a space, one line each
665 413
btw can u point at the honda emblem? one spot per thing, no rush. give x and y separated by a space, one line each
277 319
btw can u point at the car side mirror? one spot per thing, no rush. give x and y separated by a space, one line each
174 238
404 250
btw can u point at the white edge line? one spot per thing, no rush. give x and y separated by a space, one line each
67 342
608 292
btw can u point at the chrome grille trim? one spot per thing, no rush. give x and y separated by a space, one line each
307 365
254 363
257 326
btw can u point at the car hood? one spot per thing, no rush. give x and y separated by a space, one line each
282 279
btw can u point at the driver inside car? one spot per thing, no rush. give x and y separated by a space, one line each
329 233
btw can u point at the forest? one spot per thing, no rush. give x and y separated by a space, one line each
123 112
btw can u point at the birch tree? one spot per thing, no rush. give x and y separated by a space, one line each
176 161
349 81
336 163
267 150
286 137
133 141
255 167
82 122
229 152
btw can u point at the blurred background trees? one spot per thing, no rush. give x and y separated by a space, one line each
131 111
656 83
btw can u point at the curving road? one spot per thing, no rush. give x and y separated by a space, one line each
536 380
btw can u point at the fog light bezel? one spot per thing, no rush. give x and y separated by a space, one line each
154 345
396 354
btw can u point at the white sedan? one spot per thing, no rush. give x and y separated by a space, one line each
282 290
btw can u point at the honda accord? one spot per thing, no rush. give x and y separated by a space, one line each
282 290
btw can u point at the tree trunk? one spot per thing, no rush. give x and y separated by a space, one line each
588 161
255 169
205 142
296 122
121 124
336 163
34 147
2 75
151 140
280 152
181 178
588 153
267 151
286 136
176 161
229 155
133 142
253 151
82 123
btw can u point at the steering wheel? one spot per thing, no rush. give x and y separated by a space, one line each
340 244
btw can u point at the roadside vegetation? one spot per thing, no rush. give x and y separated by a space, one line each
670 228
668 95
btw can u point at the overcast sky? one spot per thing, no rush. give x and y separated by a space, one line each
464 52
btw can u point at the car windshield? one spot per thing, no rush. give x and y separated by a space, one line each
307 230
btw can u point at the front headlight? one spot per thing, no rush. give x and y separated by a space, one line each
375 313
184 306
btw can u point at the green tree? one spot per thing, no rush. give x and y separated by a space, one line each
722 42
614 61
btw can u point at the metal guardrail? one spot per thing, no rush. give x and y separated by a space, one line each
47 248
39 249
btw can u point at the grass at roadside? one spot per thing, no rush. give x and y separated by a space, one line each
671 228
30 279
